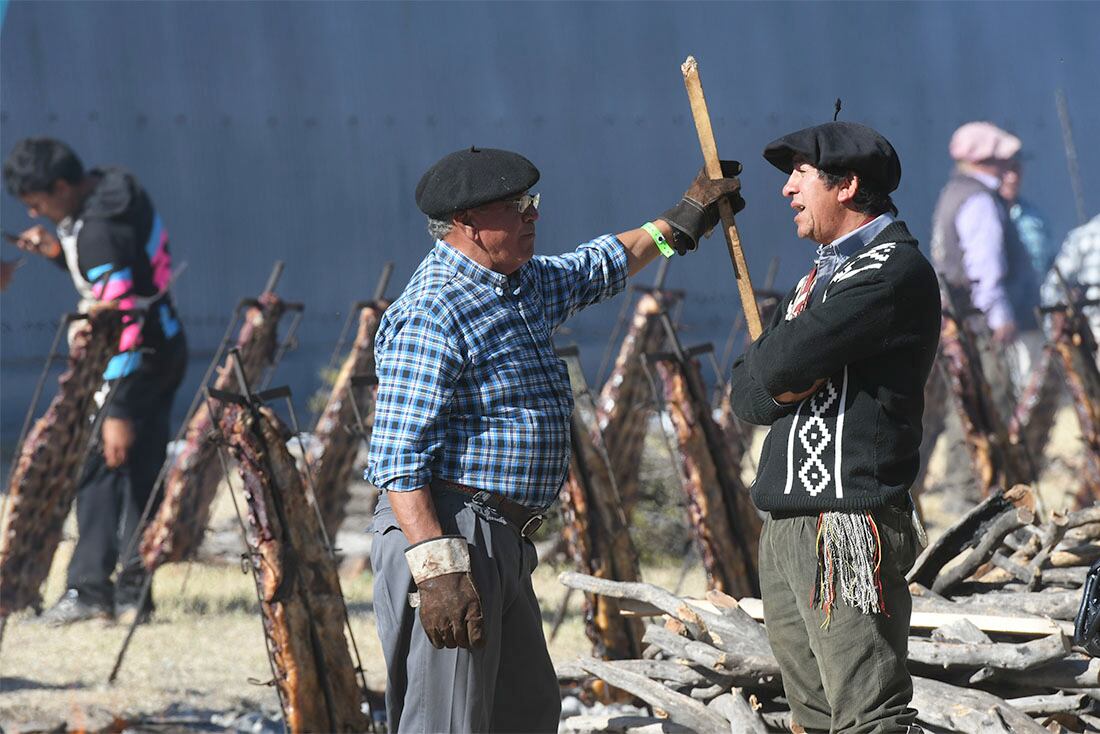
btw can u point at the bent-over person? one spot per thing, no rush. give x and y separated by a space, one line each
471 438
114 246
839 376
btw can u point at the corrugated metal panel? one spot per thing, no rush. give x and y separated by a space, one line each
297 131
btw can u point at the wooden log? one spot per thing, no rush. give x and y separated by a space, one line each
622 724
960 630
744 670
731 629
1089 531
1015 570
996 656
682 648
966 710
708 692
681 709
992 537
1049 704
1075 671
668 603
1053 604
1072 576
966 532
1086 519
742 719
1082 555
745 628
677 673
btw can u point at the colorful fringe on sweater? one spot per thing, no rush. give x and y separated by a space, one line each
849 554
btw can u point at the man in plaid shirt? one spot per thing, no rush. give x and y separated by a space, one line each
470 443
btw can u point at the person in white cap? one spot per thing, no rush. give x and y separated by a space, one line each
979 256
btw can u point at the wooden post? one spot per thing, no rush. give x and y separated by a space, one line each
690 70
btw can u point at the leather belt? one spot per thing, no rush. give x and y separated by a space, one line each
526 520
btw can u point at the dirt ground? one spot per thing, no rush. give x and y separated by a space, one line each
201 663
203 654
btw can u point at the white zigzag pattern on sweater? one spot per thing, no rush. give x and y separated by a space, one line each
815 438
878 255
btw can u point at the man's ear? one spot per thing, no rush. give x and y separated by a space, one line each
848 190
462 219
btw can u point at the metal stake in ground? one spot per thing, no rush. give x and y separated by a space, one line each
690 70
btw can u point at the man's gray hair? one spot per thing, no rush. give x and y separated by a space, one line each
439 228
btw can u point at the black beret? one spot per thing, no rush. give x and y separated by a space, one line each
839 147
472 177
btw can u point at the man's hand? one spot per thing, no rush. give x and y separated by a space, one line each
450 608
118 437
789 398
697 213
39 241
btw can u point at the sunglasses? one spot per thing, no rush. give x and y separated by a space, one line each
525 201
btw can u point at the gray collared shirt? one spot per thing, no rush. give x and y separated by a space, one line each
831 256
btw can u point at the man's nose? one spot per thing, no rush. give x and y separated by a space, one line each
532 213
789 187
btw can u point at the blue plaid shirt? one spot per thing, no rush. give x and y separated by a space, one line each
469 387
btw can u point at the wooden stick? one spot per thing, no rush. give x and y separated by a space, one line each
996 655
690 70
737 710
682 709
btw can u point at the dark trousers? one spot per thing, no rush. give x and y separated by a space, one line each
509 685
850 675
109 502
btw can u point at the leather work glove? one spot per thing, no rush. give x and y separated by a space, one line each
697 213
450 608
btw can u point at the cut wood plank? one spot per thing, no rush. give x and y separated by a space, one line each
1005 624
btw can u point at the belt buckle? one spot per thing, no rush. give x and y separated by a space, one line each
531 526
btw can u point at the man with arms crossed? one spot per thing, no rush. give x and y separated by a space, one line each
471 438
839 376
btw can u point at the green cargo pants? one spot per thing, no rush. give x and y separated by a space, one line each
850 676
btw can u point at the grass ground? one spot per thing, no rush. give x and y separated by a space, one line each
202 649
206 643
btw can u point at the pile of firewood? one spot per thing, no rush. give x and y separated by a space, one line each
990 643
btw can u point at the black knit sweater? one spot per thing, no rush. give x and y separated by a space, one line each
872 332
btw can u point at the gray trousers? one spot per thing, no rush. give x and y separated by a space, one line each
509 685
850 676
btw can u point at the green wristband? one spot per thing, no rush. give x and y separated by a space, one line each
659 239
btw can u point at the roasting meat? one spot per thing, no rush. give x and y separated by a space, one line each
44 482
176 530
303 607
333 461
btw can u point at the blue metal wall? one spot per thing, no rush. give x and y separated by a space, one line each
297 131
